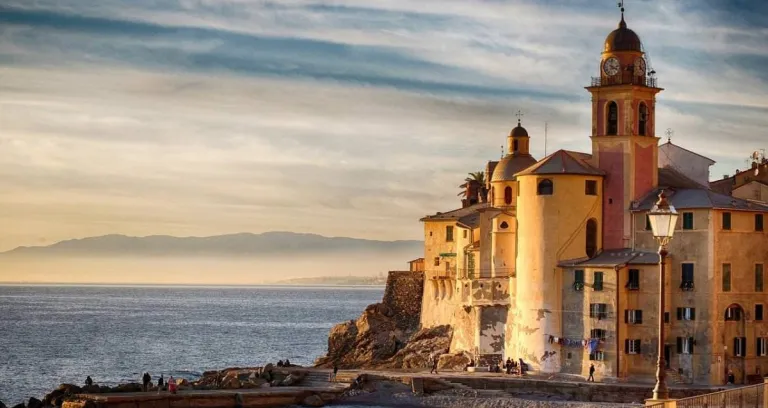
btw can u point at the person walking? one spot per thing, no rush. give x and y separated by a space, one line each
335 371
160 384
434 365
171 385
591 373
145 380
88 381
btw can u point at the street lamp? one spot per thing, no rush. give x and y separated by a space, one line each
663 218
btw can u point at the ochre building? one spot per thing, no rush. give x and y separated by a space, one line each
553 261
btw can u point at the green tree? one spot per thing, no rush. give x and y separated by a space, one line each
478 176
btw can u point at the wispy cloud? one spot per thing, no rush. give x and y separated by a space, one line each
337 117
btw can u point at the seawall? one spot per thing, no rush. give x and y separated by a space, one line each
402 296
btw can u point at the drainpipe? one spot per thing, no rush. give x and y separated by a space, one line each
617 268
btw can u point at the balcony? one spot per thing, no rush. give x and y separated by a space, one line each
474 274
626 78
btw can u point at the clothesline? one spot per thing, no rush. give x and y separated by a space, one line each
589 343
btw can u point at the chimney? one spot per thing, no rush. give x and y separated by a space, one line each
754 165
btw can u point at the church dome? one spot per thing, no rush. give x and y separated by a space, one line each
622 39
518 131
512 164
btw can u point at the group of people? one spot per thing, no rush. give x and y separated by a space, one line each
286 363
146 381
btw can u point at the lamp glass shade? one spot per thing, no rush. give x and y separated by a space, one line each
663 221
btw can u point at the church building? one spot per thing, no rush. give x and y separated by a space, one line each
553 261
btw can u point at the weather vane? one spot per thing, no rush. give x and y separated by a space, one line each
669 134
519 115
621 6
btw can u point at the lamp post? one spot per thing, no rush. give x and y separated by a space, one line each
663 218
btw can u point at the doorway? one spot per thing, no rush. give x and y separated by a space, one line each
667 356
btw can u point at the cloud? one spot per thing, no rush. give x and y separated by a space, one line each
341 118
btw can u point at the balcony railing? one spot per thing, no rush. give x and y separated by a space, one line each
625 79
749 396
486 273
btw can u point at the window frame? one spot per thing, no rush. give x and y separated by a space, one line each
739 346
590 187
449 233
761 348
598 311
597 355
633 284
688 221
545 187
633 316
759 223
759 312
611 122
578 284
642 119
632 346
732 314
437 261
600 334
759 277
687 283
508 195
598 284
686 314
726 221
685 345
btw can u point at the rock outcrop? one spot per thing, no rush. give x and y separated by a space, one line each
375 340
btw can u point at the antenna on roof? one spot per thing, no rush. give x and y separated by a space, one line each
669 134
546 126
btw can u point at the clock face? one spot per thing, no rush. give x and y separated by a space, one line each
611 66
639 67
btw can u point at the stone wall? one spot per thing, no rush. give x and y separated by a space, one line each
403 295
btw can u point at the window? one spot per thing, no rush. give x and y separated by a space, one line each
739 346
758 312
687 281
733 314
758 277
633 283
598 310
449 233
465 233
598 281
726 221
685 345
597 356
503 225
632 346
758 222
613 118
545 187
762 346
633 316
591 241
437 261
597 334
642 119
578 279
726 277
687 220
590 187
666 317
508 195
648 223
686 313
514 146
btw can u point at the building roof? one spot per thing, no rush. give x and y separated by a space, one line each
669 143
690 198
563 162
470 220
614 257
456 215
671 178
511 164
723 186
623 39
518 131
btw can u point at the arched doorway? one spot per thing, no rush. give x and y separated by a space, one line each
734 343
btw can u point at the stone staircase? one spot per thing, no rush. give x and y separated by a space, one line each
321 379
673 377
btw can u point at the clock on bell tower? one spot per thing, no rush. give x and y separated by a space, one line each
624 142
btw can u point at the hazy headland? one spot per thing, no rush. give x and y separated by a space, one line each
237 259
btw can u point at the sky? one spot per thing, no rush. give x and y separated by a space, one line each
342 118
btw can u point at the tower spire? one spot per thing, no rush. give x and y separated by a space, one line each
622 23
519 115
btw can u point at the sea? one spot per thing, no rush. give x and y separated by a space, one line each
60 334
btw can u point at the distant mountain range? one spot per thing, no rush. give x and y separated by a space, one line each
337 280
244 244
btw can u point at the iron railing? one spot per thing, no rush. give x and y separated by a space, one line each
625 79
472 273
750 396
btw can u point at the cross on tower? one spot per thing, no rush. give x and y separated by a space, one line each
621 6
669 134
519 115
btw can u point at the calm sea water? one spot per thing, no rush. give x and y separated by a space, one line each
60 334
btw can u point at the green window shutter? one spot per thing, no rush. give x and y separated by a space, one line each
688 221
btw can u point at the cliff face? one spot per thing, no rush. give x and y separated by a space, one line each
387 334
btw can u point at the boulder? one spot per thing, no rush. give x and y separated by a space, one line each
182 382
92 389
34 403
50 398
69 389
129 387
19 405
290 380
433 341
313 401
230 383
453 361
2 405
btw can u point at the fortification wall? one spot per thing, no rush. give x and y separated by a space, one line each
403 295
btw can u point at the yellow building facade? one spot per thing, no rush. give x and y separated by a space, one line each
556 265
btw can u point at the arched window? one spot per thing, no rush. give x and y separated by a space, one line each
508 195
591 238
545 187
613 118
503 225
733 313
642 123
514 146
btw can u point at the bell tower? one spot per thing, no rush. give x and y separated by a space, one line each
624 142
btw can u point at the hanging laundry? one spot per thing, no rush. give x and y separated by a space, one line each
551 339
593 345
